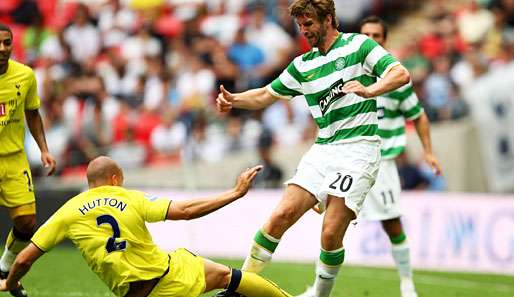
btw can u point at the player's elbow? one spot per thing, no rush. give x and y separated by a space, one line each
403 75
178 214
188 214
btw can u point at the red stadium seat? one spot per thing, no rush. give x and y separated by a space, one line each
18 52
7 6
48 9
63 15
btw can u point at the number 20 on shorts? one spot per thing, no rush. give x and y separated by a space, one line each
342 183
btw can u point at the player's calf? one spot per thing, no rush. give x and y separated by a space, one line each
248 284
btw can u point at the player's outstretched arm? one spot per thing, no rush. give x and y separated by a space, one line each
21 266
36 129
423 129
195 208
251 99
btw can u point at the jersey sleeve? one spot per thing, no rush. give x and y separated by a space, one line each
375 59
32 100
52 232
410 106
154 208
287 84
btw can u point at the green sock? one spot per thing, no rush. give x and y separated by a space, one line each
261 252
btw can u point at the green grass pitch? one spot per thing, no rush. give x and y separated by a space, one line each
63 272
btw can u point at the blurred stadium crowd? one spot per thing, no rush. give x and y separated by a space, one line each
136 80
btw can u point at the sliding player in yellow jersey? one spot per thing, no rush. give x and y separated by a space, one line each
18 101
107 224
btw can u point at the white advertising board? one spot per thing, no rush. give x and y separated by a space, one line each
456 232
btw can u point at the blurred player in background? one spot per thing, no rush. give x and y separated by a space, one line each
338 79
383 201
19 100
107 224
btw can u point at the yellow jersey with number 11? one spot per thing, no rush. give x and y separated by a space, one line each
18 92
107 225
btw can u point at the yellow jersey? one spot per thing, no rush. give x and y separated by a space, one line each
18 92
107 225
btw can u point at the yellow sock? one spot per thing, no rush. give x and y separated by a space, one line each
253 285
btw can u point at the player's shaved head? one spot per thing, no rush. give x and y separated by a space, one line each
104 171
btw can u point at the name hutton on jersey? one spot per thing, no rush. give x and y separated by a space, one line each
112 202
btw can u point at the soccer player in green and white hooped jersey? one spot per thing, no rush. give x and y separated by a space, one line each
382 203
338 79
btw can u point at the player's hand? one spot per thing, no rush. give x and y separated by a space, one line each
244 181
224 100
433 163
3 285
48 162
357 88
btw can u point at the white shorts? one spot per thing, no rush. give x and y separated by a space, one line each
383 201
346 170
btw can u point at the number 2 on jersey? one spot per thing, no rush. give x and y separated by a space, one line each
112 245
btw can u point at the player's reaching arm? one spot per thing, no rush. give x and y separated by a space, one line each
376 61
423 129
20 267
195 208
251 99
395 78
35 124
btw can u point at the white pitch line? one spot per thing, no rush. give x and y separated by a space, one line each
440 281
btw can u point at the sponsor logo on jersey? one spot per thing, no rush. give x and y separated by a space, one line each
335 92
2 109
310 76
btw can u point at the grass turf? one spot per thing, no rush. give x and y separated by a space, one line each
63 272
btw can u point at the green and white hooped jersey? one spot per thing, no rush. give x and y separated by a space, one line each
393 109
319 78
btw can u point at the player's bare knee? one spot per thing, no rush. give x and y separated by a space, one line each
331 235
283 218
217 276
287 215
224 277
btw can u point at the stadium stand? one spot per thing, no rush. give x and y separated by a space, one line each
117 77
